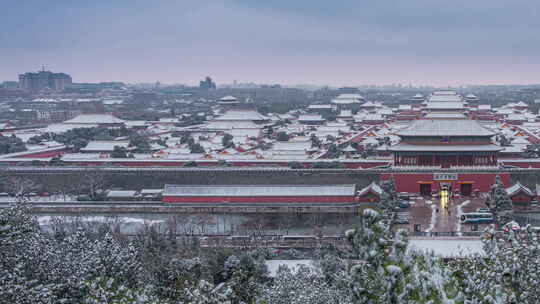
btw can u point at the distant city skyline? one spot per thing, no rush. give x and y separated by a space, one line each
349 43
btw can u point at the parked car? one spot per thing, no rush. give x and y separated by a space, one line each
404 204
404 196
402 220
485 210
477 218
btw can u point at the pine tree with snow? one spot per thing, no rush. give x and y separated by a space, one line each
103 290
18 237
385 272
389 202
508 272
205 292
302 286
244 276
500 203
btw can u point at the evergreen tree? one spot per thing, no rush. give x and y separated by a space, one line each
197 148
141 144
387 273
303 286
226 140
283 136
500 203
389 201
119 152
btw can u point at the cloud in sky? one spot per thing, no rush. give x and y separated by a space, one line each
280 41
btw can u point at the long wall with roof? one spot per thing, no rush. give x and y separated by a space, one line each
139 179
57 179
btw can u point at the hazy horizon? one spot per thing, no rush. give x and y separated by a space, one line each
421 42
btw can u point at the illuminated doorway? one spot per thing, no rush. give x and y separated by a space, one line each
444 196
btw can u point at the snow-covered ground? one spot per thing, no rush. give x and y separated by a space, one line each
47 219
442 248
433 221
448 248
51 198
273 265
459 213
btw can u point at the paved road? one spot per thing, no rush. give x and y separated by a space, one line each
432 215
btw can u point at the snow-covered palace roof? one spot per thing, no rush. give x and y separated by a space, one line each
445 127
94 119
238 115
518 187
373 187
104 145
348 99
259 190
228 98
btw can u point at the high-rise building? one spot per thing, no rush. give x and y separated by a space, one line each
43 80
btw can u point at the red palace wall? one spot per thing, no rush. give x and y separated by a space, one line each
410 182
521 198
369 197
43 154
260 199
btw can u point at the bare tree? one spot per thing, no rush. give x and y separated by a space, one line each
19 185
91 182
287 222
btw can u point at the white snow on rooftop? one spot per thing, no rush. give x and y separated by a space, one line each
255 190
484 107
349 96
228 98
404 107
445 105
516 117
310 117
445 93
292 146
241 115
321 106
517 187
94 119
445 127
121 193
104 145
